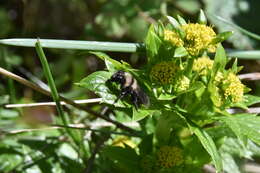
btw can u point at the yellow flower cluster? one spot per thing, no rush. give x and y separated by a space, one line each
182 84
169 156
164 72
198 37
202 65
173 38
234 88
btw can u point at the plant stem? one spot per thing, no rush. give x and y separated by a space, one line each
76 44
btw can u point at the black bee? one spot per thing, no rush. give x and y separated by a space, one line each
129 86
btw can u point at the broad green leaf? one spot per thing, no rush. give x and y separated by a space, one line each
126 157
229 163
111 64
247 101
235 147
222 37
66 150
220 59
209 145
167 122
97 82
244 125
180 52
152 43
141 114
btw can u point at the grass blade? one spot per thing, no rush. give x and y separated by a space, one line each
248 54
250 34
75 44
48 75
75 135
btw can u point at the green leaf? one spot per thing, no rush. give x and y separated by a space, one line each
96 82
146 145
251 99
209 145
180 52
202 18
222 37
126 157
152 43
174 22
166 96
242 30
229 163
141 114
244 126
8 114
181 20
234 67
74 44
220 59
111 64
235 147
167 122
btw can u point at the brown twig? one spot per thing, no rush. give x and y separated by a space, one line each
250 76
47 92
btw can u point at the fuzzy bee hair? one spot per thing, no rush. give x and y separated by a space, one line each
130 86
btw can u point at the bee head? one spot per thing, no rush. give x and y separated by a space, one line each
118 77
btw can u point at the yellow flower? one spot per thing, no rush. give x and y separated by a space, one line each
219 77
173 38
182 84
169 156
233 87
198 37
121 141
202 64
164 72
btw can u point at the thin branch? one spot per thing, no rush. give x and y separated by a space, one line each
94 100
47 92
71 126
251 110
250 76
209 169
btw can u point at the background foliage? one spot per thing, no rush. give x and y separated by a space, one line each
100 20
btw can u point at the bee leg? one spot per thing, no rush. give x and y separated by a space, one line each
135 100
124 92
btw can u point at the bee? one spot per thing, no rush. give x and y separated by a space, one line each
130 86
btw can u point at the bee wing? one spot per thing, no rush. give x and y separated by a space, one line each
143 97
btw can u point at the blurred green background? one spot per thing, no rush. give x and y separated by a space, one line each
92 20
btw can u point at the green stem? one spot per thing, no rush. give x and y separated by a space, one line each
56 97
76 44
